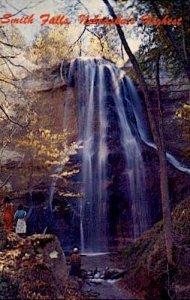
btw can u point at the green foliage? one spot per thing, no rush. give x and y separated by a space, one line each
181 34
50 47
45 150
155 39
184 112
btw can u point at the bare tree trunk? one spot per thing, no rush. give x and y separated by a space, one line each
163 173
167 224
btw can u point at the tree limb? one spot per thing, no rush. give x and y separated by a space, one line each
11 120
75 42
11 174
98 37
17 65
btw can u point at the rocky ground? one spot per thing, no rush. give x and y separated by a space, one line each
103 274
35 268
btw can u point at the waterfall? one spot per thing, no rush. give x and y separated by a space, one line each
94 157
112 129
135 165
98 88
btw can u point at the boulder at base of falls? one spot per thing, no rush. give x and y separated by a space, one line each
34 268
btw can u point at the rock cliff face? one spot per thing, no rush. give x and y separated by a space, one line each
173 96
58 105
57 109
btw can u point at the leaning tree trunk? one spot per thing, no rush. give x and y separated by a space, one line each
167 223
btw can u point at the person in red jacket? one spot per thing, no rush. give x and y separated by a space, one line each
75 261
8 215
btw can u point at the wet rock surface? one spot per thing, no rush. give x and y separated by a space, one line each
99 274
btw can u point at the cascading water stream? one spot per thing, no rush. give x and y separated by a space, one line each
93 207
135 165
98 86
93 89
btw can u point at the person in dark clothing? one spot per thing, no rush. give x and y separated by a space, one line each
75 261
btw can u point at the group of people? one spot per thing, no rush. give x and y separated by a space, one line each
19 217
9 217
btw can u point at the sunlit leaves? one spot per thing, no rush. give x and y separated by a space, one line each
50 47
184 112
47 148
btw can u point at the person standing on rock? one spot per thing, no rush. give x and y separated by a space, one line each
8 215
20 217
75 262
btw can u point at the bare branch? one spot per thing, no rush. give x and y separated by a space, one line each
27 6
17 65
98 37
84 6
5 181
11 174
6 77
2 56
8 82
10 70
24 8
6 44
78 39
18 11
10 119
5 144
